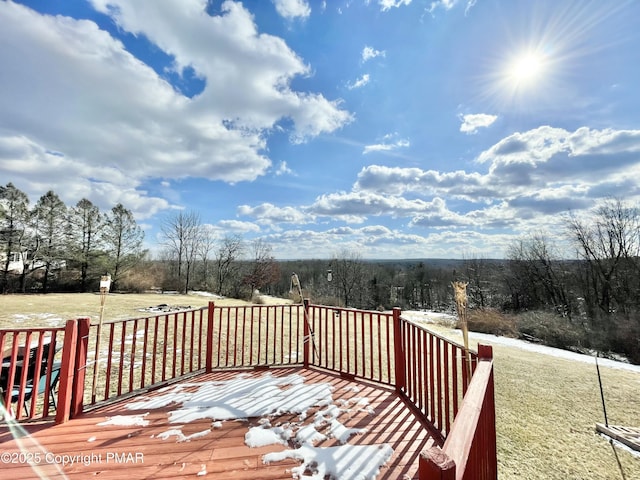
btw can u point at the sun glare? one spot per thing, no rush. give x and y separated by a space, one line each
526 69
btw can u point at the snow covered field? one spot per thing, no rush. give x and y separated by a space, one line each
444 319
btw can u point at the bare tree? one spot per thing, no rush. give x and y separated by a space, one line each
477 272
227 255
537 269
263 269
609 242
348 270
181 237
205 250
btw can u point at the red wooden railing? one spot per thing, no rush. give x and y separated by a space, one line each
427 370
255 336
138 353
436 377
353 343
469 452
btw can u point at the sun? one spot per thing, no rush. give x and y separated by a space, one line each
526 69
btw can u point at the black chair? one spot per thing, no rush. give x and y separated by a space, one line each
41 388
31 364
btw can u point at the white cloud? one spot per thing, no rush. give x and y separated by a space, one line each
369 52
541 171
283 169
292 8
386 147
449 4
361 82
446 4
472 122
123 123
389 4
357 206
269 214
383 242
236 226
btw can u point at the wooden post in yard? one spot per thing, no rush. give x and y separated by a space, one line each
105 284
460 295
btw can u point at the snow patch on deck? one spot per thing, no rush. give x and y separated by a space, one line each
126 420
242 397
346 462
181 437
265 397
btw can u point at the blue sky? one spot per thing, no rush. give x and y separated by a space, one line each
394 128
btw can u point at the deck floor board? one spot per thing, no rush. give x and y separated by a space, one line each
220 454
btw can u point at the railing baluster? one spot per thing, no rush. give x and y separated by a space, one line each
439 378
132 357
107 380
447 385
192 335
425 372
455 383
432 393
183 347
145 341
165 340
121 359
156 324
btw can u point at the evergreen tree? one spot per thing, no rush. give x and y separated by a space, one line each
123 240
86 223
51 232
14 217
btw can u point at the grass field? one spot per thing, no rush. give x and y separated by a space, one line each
546 407
54 308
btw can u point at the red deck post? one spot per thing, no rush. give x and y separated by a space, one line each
77 392
307 333
485 352
398 345
434 464
67 371
209 360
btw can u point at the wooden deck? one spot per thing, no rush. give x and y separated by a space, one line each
136 452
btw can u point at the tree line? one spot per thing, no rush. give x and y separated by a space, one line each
578 287
51 245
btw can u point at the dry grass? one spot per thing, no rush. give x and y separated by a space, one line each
546 407
53 309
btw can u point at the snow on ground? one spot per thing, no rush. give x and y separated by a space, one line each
51 319
450 320
426 316
267 396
